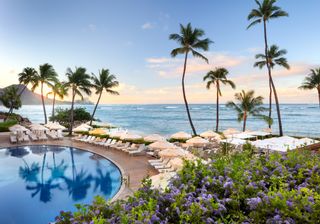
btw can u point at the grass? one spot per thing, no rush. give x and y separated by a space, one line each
4 126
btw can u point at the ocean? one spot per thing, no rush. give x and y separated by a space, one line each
166 119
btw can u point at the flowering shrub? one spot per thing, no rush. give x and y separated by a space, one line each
232 189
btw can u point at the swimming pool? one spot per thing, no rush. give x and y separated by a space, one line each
37 182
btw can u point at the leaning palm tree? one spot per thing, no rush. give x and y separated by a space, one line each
266 11
274 57
312 81
26 77
46 75
60 90
189 41
78 82
215 78
105 81
247 105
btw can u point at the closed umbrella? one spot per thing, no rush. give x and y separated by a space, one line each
160 145
181 135
154 138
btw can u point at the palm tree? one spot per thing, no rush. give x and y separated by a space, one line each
26 77
106 82
216 77
46 75
265 12
247 105
189 41
312 81
275 57
78 82
60 90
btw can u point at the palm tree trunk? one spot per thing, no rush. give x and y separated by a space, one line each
53 103
319 95
270 79
217 115
71 111
244 121
44 107
22 90
270 102
95 108
184 94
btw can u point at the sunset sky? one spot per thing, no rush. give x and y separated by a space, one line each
131 39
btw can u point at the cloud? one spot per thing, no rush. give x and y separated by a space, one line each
172 67
147 26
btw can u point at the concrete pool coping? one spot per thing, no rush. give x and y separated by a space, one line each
134 168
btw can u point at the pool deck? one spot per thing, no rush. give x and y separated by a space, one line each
133 167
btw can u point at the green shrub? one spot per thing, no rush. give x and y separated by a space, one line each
63 116
177 140
4 126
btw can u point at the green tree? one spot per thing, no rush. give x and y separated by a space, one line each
266 11
10 98
312 81
60 90
247 104
46 75
105 81
274 57
78 82
189 41
216 78
26 77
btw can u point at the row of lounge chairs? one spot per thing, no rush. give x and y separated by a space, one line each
130 148
162 165
42 136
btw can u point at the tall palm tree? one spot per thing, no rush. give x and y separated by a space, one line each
60 90
78 82
105 81
266 11
26 77
274 57
46 75
189 41
215 78
312 81
247 105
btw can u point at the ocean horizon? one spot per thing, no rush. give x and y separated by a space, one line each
166 119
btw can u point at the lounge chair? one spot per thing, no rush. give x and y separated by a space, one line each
77 137
60 135
139 151
161 163
155 160
107 142
92 141
101 142
166 170
113 141
33 136
52 135
130 148
26 138
43 136
121 145
84 138
13 139
89 138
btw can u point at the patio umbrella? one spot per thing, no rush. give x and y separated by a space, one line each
38 127
181 135
117 134
154 138
230 131
197 141
210 134
161 145
54 126
80 129
129 136
243 135
176 163
171 153
17 127
97 131
268 130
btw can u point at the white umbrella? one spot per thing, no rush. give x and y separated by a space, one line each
54 126
233 141
181 135
243 135
259 133
80 129
154 138
170 153
160 145
86 126
117 134
230 131
129 136
38 127
210 134
197 141
17 127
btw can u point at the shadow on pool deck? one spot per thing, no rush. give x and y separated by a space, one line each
134 167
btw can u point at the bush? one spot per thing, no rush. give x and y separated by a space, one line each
63 116
271 188
4 126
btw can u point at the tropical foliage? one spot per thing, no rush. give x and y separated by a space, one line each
26 77
248 105
57 89
79 83
189 42
216 78
63 116
275 188
105 81
10 98
312 81
267 10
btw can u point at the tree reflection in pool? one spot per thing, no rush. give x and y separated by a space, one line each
37 182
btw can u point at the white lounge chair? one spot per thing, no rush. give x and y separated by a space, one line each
139 151
13 139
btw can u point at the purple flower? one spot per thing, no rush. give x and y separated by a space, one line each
253 202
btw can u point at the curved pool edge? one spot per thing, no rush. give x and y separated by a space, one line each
122 172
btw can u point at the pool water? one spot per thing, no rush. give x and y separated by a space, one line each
37 182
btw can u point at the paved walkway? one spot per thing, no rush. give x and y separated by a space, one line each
134 167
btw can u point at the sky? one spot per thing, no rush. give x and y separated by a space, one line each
130 38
